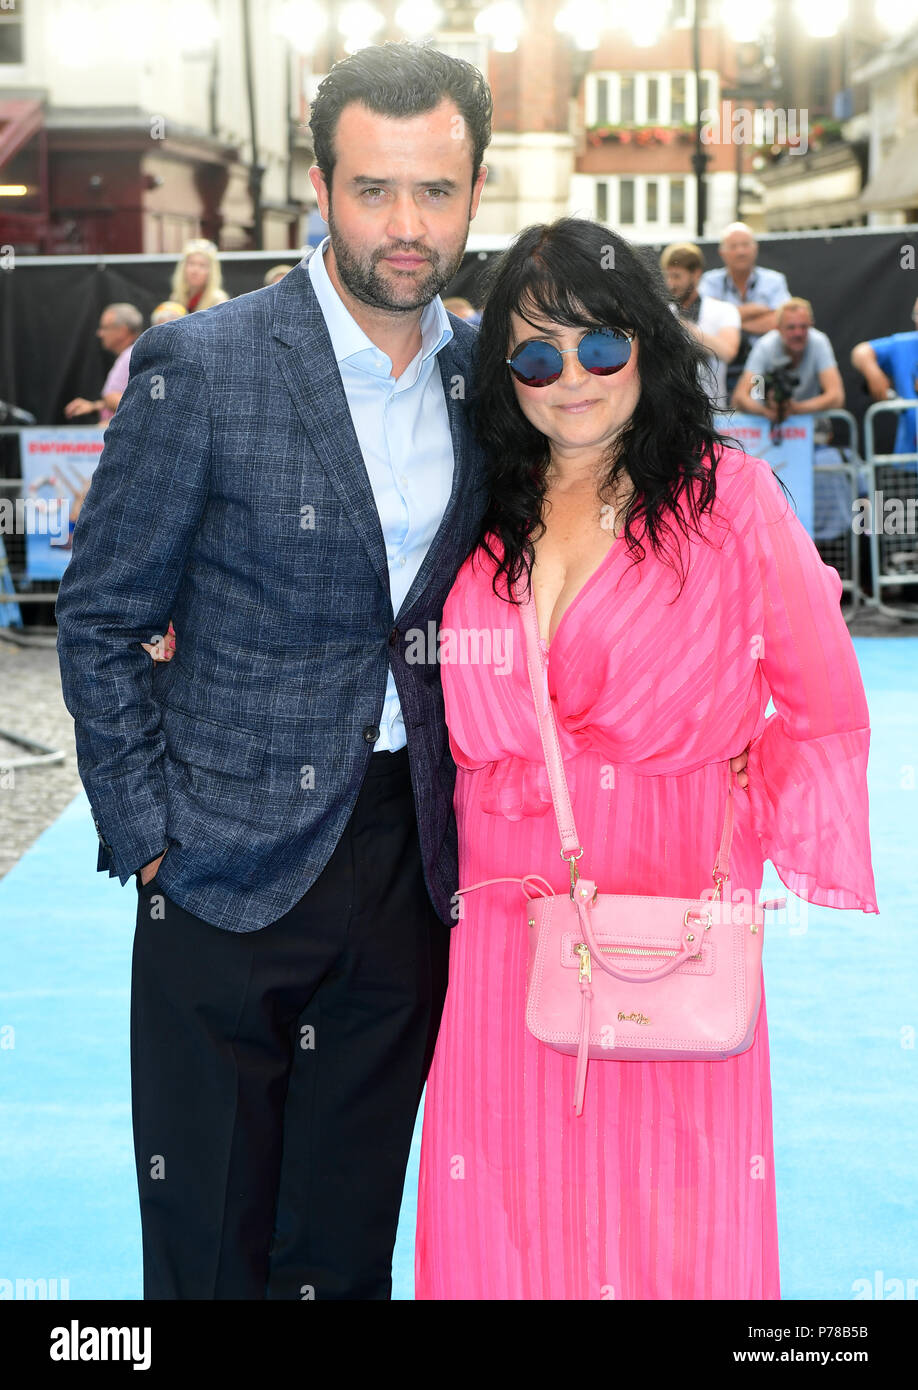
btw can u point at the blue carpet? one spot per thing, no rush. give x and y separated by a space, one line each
843 1018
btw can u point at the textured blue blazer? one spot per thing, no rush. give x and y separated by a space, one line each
231 496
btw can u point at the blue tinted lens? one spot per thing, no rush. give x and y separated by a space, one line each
603 352
537 362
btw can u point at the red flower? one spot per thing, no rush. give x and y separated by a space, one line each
625 137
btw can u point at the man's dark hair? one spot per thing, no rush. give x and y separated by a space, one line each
400 79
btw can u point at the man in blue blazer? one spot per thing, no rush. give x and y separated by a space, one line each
292 479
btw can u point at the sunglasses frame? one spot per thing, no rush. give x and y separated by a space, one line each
627 334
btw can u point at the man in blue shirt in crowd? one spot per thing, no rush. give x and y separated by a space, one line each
756 291
889 367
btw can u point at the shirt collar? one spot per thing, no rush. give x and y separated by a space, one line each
349 341
750 283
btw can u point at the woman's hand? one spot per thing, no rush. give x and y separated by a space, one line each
164 649
738 763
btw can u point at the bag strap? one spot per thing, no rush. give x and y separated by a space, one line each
571 848
548 732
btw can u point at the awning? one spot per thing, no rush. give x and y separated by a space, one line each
19 121
894 186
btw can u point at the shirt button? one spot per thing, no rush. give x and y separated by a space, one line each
403 480
371 733
401 560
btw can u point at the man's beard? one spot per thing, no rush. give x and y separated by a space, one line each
362 278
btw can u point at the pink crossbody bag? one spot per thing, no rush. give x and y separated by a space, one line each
626 977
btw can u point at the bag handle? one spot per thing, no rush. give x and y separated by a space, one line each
571 849
584 893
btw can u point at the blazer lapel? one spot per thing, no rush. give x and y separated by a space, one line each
442 548
306 361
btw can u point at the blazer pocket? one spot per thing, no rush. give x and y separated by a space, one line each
192 738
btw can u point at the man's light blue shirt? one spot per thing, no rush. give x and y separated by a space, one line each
402 427
764 286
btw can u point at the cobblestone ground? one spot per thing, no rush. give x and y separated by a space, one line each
31 704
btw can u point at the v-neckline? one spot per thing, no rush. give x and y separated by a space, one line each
548 642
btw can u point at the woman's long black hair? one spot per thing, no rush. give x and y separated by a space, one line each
578 273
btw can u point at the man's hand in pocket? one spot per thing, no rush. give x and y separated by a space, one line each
149 870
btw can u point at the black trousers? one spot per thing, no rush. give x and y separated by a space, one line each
276 1074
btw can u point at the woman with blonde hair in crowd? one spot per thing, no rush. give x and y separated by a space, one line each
197 282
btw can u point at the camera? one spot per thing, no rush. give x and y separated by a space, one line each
780 384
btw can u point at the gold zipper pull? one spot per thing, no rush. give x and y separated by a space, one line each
586 967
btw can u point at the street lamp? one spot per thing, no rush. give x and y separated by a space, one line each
699 158
502 23
359 22
420 18
580 22
301 23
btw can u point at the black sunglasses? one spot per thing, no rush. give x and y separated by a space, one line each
602 351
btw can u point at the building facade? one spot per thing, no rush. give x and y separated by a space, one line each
130 127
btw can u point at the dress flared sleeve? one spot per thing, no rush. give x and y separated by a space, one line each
808 767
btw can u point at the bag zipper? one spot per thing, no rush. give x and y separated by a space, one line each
633 951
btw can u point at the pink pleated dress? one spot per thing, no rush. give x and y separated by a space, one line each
664 1187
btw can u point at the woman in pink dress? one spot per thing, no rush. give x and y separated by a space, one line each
676 591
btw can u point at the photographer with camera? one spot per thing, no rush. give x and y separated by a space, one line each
791 370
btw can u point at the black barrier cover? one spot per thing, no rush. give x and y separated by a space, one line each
859 283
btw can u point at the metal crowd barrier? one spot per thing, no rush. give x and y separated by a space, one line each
835 492
894 556
893 537
36 754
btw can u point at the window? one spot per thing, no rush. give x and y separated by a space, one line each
602 101
11 27
652 213
646 98
627 99
626 201
677 202
677 99
602 201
